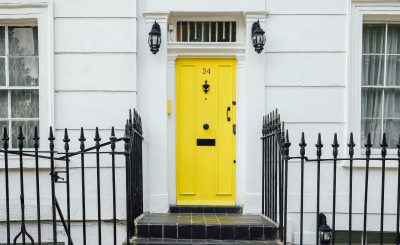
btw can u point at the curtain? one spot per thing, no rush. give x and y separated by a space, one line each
380 106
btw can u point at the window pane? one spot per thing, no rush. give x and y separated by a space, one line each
23 40
392 102
206 32
372 126
3 124
213 31
233 34
373 70
178 31
184 31
2 41
24 71
371 103
392 129
374 39
3 104
220 31
28 129
2 72
393 41
25 103
393 70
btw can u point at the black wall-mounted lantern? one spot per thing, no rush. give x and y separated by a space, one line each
325 232
258 37
155 38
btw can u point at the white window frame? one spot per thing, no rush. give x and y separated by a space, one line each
362 12
39 12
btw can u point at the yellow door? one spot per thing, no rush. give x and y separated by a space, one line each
206 121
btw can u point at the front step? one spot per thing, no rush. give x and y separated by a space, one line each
205 226
199 241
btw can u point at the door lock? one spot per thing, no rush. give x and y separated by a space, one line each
206 126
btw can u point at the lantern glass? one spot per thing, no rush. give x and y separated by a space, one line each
325 237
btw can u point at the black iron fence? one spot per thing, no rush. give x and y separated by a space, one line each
275 183
107 156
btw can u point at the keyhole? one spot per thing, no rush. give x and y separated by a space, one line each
206 126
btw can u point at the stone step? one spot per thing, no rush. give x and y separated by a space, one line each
140 241
206 209
205 226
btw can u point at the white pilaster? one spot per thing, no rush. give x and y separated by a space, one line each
254 103
155 102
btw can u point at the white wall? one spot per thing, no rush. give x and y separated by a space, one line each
94 86
307 79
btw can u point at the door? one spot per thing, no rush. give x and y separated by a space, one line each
206 121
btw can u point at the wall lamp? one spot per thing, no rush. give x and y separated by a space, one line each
258 37
155 38
325 232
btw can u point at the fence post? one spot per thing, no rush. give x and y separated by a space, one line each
127 148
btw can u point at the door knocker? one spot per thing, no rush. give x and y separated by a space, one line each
206 87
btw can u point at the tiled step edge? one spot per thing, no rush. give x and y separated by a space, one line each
219 232
200 241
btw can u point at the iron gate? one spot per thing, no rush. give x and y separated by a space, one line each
105 163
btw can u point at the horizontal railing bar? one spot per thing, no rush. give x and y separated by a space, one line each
343 159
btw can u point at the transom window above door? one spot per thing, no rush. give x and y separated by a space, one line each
380 84
206 31
19 81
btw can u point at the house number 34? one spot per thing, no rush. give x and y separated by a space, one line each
206 70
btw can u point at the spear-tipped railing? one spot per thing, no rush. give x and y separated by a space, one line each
60 174
276 146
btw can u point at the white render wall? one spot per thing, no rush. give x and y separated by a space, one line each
94 86
103 67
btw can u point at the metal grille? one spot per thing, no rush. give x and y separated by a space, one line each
206 31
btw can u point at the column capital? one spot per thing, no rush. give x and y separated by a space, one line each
160 16
253 16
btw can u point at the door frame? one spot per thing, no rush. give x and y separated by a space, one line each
174 53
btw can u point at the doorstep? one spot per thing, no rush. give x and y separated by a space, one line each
205 226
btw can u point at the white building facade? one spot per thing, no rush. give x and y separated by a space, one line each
89 62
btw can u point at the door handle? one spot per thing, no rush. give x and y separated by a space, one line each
228 109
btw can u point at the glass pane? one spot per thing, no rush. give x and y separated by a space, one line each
23 40
184 31
193 32
393 41
372 69
220 31
392 129
178 32
392 102
2 41
206 32
372 126
25 103
374 38
371 103
28 129
3 104
198 31
24 71
2 72
233 34
213 31
3 124
393 70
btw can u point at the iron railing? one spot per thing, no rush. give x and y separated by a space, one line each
275 162
129 155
